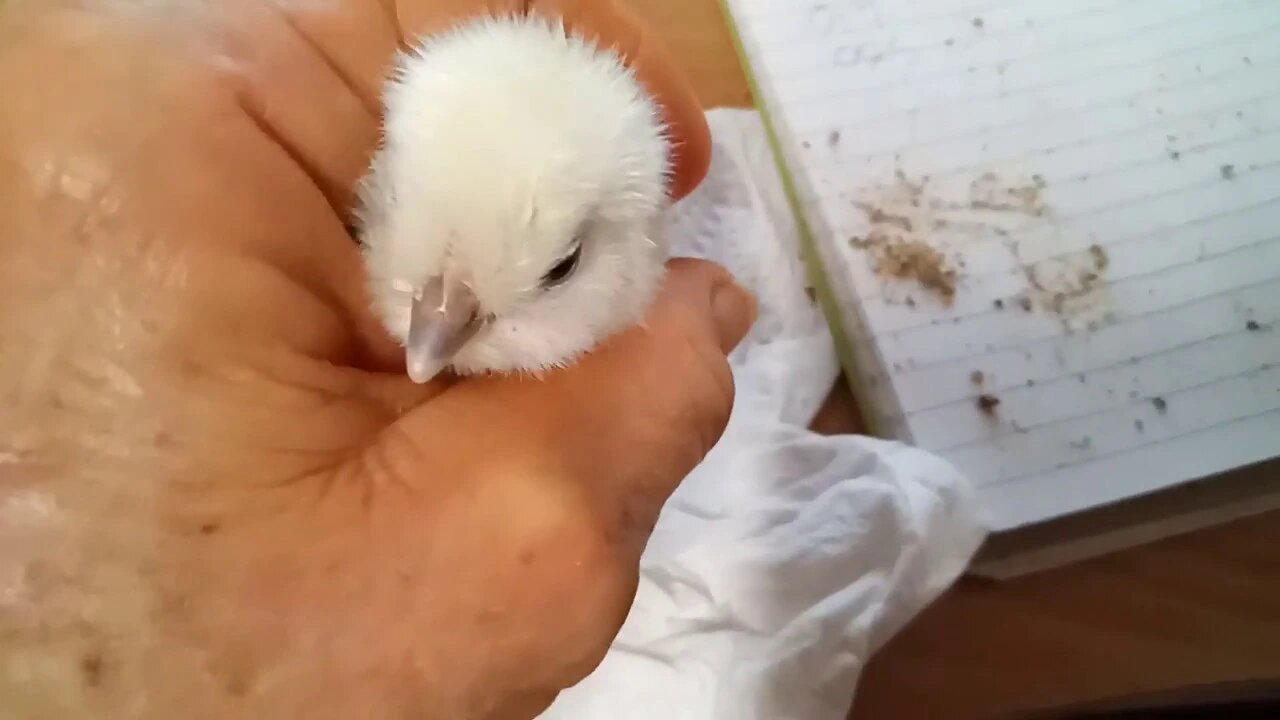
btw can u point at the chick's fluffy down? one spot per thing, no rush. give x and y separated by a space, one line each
506 141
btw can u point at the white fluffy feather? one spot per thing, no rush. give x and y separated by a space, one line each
504 139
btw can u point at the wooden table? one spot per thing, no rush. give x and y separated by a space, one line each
1204 607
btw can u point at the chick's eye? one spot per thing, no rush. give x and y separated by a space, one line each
563 269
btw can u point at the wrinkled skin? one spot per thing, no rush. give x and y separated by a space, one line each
219 496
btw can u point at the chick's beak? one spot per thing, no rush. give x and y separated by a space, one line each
444 317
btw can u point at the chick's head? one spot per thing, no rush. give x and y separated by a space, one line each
510 216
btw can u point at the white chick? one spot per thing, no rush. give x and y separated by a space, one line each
509 219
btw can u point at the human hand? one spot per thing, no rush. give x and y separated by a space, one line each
219 495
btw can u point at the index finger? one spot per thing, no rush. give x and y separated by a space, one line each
609 25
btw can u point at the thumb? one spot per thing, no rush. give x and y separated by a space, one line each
627 421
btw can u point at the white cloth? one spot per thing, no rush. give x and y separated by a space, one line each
786 557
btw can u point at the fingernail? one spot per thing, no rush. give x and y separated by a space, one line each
734 310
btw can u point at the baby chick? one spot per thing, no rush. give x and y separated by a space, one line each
510 218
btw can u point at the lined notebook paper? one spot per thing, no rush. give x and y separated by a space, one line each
1053 227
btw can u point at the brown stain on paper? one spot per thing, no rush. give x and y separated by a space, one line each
913 229
898 243
1071 287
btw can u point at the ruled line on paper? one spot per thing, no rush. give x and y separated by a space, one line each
819 57
1140 471
1122 448
996 265
1051 360
984 67
1086 396
1074 135
779 13
895 132
1162 155
999 78
1163 291
1179 245
898 320
1107 437
1261 307
836 26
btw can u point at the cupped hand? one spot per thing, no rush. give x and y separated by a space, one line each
219 495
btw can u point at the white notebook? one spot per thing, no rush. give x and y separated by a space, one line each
1051 229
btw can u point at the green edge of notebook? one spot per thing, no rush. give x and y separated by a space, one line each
808 247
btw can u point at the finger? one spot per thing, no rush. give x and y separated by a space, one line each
357 38
625 424
314 74
614 25
292 89
609 25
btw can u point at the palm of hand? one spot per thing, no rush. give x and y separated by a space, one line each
263 509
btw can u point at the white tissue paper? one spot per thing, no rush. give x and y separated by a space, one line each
786 558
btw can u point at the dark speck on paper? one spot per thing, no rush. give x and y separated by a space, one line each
978 23
1228 172
1139 425
834 138
1160 405
1252 326
998 303
977 377
987 403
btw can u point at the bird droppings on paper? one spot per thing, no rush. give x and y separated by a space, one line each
990 192
915 259
1072 287
899 243
917 229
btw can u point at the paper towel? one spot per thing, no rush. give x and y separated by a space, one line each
786 558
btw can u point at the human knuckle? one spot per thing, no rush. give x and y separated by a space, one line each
710 389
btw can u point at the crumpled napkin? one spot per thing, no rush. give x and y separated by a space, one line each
786 558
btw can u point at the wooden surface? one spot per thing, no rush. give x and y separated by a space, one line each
1204 607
